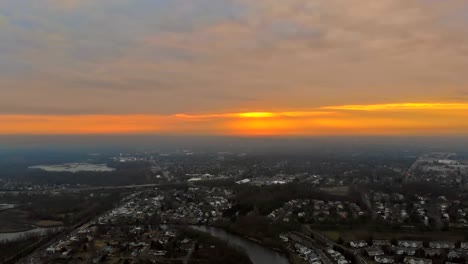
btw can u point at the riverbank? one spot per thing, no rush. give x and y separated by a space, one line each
260 241
211 249
284 251
38 231
49 223
257 251
255 240
16 230
29 227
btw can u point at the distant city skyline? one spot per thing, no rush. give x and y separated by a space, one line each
234 67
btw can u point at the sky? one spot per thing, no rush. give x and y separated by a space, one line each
234 67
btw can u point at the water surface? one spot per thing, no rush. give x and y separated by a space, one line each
257 253
39 231
74 167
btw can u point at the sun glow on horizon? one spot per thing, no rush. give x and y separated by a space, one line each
401 106
372 119
257 115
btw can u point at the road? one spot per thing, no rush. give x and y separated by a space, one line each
85 223
331 243
189 254
309 242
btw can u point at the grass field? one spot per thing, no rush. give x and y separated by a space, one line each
49 223
14 220
338 191
99 243
333 235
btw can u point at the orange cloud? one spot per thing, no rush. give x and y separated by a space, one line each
256 114
86 124
374 119
402 106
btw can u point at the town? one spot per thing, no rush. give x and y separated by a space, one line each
298 211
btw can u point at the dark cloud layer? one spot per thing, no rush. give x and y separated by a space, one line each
171 56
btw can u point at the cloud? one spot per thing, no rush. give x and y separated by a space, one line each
165 57
3 20
385 119
256 115
402 106
69 4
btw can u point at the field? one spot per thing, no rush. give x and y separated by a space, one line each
14 220
45 210
17 220
338 191
48 223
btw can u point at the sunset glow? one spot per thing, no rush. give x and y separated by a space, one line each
403 106
257 115
240 67
384 119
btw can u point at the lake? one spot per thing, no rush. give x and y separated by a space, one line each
39 231
74 167
257 253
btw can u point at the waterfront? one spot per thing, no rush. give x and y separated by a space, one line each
74 167
258 254
39 231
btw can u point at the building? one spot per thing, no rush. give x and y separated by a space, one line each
384 259
442 245
410 244
413 260
358 244
374 251
381 243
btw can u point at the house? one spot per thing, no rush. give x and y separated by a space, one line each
337 256
374 251
442 244
50 250
384 259
404 251
186 241
432 252
413 260
453 255
315 261
342 261
153 252
313 258
358 244
464 245
244 181
170 233
381 243
302 250
410 244
284 238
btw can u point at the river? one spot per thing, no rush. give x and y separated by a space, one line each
258 254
